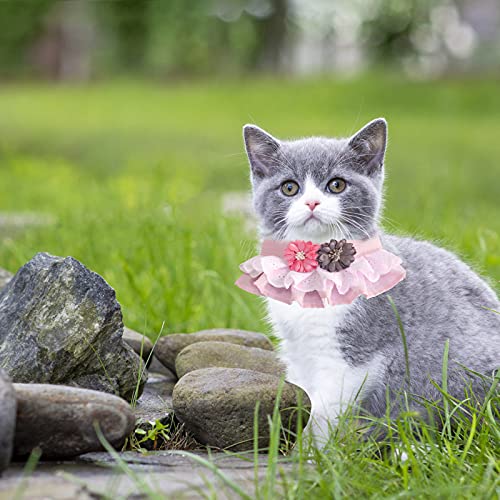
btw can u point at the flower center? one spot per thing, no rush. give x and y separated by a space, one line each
300 256
336 254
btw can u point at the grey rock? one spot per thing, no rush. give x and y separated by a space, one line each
227 355
7 420
153 407
156 367
168 347
5 277
165 474
217 406
60 420
61 324
167 460
156 401
141 345
156 425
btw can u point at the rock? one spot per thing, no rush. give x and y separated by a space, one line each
158 475
139 343
5 277
169 461
7 420
61 324
159 368
156 401
156 425
60 420
154 408
217 406
227 355
168 347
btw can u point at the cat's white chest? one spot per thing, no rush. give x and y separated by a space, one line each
311 350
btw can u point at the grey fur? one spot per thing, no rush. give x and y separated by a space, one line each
440 299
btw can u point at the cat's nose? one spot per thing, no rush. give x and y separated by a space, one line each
312 204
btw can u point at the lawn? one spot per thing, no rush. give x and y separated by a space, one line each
132 174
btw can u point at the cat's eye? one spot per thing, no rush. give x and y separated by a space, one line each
289 188
336 185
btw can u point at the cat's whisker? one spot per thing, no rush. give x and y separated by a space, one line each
360 220
357 225
358 215
346 230
358 209
363 206
335 229
366 217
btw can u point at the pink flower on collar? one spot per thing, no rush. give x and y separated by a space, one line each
301 256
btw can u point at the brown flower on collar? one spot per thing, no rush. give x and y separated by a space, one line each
336 255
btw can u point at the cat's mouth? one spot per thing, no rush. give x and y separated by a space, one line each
314 220
313 223
313 228
312 217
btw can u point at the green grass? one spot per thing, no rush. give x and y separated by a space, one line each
417 460
133 174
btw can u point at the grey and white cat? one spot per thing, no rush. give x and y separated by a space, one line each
320 188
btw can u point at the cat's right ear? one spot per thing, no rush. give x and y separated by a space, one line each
369 144
262 149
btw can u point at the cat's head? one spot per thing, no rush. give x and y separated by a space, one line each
317 188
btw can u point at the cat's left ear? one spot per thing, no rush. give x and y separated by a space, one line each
369 144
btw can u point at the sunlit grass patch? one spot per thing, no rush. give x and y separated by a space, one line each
132 174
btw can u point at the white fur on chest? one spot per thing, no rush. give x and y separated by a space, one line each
311 350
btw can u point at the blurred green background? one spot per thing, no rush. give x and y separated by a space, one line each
120 132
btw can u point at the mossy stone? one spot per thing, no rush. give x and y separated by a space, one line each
60 323
61 420
217 405
168 347
226 355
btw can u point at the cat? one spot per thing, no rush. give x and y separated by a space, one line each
316 189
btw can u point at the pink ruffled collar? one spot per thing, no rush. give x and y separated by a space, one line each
309 274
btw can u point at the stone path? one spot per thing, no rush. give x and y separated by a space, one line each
161 474
156 474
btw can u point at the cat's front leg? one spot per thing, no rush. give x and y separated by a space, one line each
321 422
324 414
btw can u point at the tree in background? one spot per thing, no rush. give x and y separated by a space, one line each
200 36
77 39
20 25
131 22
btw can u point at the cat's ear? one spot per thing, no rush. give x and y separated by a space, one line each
369 145
262 150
